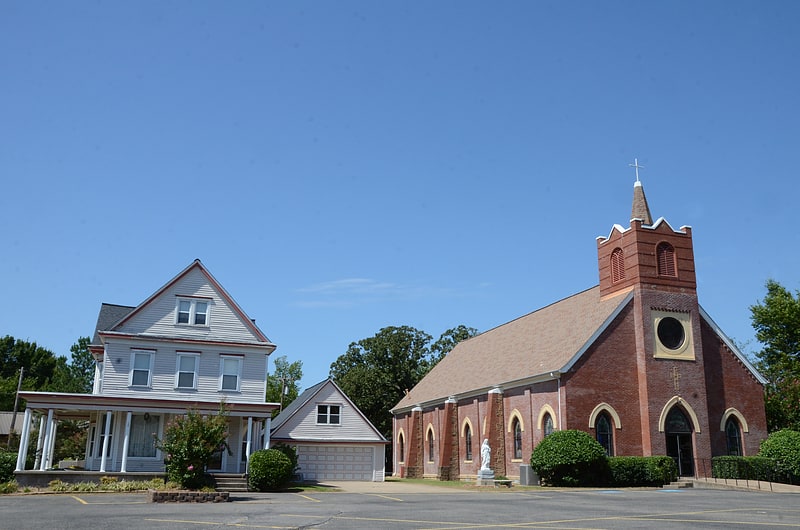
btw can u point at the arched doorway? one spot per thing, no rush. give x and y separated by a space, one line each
680 448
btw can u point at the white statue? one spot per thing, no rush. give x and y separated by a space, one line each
486 454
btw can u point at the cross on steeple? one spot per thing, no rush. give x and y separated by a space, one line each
637 167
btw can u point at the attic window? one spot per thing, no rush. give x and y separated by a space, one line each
665 254
192 312
617 265
329 414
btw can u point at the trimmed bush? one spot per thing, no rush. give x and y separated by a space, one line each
270 470
290 452
627 471
8 462
570 458
784 448
744 468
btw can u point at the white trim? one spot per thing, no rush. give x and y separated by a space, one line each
178 356
222 358
193 312
677 400
604 407
736 414
132 367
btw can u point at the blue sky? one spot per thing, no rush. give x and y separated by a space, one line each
345 166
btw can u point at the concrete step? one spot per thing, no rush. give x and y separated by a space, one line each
230 482
679 484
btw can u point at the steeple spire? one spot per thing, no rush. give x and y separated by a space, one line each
640 208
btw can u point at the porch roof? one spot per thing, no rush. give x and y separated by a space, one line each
67 405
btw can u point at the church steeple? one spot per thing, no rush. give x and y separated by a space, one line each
640 208
646 254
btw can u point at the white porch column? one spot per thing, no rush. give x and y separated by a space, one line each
267 430
22 454
106 442
124 468
248 448
40 443
52 449
46 444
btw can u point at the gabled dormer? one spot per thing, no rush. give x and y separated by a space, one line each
649 254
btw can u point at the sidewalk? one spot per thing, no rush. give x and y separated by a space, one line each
744 485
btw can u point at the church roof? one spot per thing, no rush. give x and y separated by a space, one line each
533 347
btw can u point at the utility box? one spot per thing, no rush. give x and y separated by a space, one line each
527 477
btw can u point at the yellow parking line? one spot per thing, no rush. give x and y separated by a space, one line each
216 523
307 497
385 497
79 499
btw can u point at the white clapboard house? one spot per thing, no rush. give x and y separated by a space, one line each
333 439
189 346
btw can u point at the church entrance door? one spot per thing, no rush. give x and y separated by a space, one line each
679 441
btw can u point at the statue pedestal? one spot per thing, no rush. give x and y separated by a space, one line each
485 477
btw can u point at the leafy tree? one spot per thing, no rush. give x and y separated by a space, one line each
39 363
375 372
190 442
286 375
82 365
776 321
450 338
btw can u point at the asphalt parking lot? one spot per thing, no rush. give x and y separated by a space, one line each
427 507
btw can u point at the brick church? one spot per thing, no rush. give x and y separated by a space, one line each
634 361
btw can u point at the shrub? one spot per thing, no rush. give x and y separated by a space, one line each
289 452
784 448
9 487
270 469
744 467
8 462
570 458
190 442
642 470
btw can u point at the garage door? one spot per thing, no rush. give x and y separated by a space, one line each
319 462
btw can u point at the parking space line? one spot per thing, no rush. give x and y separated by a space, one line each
307 497
79 499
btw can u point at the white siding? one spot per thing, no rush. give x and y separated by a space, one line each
158 317
303 425
117 369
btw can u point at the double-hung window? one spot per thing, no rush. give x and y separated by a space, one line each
141 368
230 370
192 312
186 370
329 414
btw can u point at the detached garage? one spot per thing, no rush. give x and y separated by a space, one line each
333 439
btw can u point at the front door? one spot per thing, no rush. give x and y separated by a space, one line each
679 441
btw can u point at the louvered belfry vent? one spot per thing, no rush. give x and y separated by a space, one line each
666 259
617 265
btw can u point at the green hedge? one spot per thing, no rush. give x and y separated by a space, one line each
784 448
744 468
628 471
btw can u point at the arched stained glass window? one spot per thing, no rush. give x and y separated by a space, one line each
468 442
733 435
401 443
604 433
547 423
517 439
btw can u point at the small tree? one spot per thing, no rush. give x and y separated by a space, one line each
190 442
570 458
